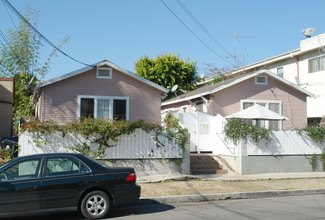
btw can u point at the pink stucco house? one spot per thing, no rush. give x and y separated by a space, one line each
232 95
103 90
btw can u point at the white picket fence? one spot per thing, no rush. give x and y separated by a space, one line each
138 145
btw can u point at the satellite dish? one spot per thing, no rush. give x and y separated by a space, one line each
174 88
308 32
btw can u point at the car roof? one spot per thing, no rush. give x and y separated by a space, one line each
49 154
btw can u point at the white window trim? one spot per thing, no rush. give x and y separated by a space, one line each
104 77
267 102
315 57
260 83
111 102
277 70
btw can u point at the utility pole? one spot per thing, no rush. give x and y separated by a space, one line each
235 37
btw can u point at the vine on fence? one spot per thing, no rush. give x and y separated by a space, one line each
317 133
237 129
103 131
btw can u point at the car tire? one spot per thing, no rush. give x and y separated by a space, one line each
95 205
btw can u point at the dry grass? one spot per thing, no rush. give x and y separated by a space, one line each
191 187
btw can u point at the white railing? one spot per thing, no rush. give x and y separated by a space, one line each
138 145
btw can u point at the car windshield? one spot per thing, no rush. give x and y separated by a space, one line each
97 162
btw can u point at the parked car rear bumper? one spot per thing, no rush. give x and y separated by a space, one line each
126 194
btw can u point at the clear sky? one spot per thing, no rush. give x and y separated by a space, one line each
122 31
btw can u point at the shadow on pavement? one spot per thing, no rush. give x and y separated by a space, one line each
141 207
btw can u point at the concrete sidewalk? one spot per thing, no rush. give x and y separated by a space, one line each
227 177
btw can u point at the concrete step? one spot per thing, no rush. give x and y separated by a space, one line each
205 164
208 171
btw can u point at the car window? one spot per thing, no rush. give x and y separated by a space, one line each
97 162
64 165
22 170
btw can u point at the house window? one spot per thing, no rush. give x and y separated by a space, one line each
261 80
199 106
316 64
272 105
279 71
119 109
104 72
87 108
105 107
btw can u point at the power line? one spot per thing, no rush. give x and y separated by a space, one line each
4 46
201 26
9 14
17 57
42 36
195 34
6 69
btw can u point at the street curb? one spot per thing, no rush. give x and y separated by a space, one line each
226 196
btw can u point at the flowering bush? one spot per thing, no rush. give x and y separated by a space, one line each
105 131
237 129
4 155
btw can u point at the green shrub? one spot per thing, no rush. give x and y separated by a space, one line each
322 159
317 133
237 129
4 155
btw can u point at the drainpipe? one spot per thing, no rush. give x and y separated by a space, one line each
298 80
297 63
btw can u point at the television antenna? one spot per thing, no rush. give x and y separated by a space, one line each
308 32
236 37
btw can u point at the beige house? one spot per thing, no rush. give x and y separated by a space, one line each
232 95
7 88
103 90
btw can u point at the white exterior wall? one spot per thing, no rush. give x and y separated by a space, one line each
315 83
312 82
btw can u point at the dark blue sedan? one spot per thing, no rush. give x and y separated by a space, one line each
55 182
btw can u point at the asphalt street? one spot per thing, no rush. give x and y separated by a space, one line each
287 208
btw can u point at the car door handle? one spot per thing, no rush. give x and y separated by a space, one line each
31 188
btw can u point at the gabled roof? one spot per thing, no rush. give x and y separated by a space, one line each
102 63
210 89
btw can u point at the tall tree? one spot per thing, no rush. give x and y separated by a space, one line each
168 70
21 59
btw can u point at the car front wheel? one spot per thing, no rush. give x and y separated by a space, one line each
95 205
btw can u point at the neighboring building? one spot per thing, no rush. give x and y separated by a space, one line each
103 90
232 95
7 88
304 67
